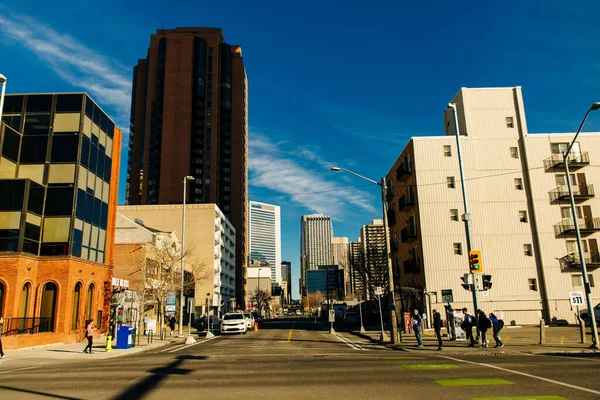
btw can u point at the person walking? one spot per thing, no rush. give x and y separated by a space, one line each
483 324
437 327
450 316
1 329
172 325
467 326
89 334
417 323
497 325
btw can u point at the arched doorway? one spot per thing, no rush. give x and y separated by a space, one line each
2 295
48 307
90 301
23 305
76 304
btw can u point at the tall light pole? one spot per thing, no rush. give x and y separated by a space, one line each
584 277
3 81
185 179
466 217
382 185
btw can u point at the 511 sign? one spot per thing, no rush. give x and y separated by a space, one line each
576 298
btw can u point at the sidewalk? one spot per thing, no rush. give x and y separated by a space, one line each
517 340
60 352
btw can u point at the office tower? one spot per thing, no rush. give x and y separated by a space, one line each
340 252
189 117
265 237
376 264
358 277
59 180
519 210
286 277
315 244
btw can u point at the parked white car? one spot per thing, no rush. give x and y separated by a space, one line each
249 320
234 323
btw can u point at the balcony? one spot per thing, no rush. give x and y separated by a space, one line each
394 244
571 262
389 193
576 161
411 266
405 202
408 234
403 172
580 192
566 226
391 216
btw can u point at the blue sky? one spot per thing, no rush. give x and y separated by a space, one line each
330 82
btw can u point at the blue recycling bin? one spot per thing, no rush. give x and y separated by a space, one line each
124 337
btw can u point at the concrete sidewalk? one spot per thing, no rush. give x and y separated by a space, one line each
517 340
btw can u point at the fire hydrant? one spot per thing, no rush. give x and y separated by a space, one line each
108 343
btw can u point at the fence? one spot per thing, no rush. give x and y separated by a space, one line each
21 326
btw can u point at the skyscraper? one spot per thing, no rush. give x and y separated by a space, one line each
286 277
376 265
340 251
315 244
357 270
265 237
189 116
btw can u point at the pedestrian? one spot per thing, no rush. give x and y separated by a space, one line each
450 316
1 329
437 327
483 323
417 322
467 326
497 325
172 325
146 320
89 334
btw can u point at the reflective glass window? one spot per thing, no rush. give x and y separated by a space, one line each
14 121
97 211
69 102
37 124
39 103
85 151
59 201
10 145
12 195
36 198
64 148
33 149
80 208
32 231
13 104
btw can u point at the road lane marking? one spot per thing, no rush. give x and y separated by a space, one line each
428 367
350 343
522 398
562 339
290 335
472 382
23 369
183 346
403 358
523 374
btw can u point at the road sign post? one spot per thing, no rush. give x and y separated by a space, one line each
447 296
331 320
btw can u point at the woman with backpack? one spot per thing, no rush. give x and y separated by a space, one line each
497 325
484 324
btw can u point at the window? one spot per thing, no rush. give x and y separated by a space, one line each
527 250
75 314
450 182
578 281
458 248
447 150
572 246
90 300
514 152
454 214
48 308
565 212
510 123
533 284
523 216
33 149
64 148
518 183
562 179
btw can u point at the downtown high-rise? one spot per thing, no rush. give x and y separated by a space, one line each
316 232
265 237
189 117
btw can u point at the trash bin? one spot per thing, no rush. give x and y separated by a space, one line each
124 337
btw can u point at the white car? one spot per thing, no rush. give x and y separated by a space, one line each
234 323
249 321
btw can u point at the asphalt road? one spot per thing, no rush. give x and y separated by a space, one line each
298 359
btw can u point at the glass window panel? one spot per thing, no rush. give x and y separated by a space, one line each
80 208
75 313
85 151
76 249
54 249
59 201
89 208
10 145
32 231
36 198
56 230
64 148
33 149
37 124
12 195
93 158
89 107
66 123
48 307
39 103
107 169
97 211
69 103
104 217
31 247
110 128
13 104
14 121
97 118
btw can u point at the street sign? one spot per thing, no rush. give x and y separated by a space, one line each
447 296
378 291
576 298
331 315
485 293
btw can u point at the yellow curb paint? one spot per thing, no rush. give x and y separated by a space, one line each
290 335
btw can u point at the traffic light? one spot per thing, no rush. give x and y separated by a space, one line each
466 279
475 262
487 282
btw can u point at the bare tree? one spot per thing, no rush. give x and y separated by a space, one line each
315 299
261 298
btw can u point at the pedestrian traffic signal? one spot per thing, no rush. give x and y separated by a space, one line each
466 282
475 262
487 282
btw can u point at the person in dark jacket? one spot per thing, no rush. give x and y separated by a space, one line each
467 326
417 323
172 325
437 327
496 327
483 324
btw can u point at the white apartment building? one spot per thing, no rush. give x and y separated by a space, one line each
340 250
265 237
519 209
316 232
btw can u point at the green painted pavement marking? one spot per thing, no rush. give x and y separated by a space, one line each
522 398
471 382
403 358
422 367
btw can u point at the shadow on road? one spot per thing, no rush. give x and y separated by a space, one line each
50 395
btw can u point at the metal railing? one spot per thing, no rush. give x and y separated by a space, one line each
575 160
405 201
27 326
567 226
579 192
408 234
571 260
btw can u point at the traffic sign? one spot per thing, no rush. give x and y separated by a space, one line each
331 315
447 296
576 298
378 291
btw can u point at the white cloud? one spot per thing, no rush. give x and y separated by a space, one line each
107 81
274 168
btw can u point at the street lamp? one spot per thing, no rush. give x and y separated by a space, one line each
584 276
382 185
185 179
466 217
3 81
